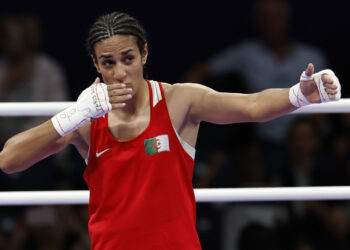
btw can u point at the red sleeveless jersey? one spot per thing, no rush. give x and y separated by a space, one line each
141 194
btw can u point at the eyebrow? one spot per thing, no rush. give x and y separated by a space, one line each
105 56
123 53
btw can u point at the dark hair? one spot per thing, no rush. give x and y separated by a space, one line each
115 23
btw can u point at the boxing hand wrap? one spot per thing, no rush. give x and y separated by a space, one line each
298 99
93 102
321 88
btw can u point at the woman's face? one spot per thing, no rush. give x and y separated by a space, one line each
118 60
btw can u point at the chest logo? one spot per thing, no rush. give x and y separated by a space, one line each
157 144
98 154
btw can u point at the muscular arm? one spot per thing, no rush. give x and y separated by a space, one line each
27 148
72 127
224 108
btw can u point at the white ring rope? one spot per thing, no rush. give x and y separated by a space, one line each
341 106
17 198
32 108
202 195
51 108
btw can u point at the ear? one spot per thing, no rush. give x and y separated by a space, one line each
95 63
145 54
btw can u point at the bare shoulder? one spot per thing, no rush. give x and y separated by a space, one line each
183 99
183 86
184 90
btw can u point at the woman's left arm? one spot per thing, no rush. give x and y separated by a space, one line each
224 108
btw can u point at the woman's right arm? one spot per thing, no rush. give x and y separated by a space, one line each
67 127
27 148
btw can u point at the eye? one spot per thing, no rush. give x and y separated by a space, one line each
128 59
107 63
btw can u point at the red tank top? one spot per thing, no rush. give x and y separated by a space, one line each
141 194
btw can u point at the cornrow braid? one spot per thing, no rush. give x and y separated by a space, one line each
115 23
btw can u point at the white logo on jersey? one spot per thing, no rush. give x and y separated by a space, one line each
98 154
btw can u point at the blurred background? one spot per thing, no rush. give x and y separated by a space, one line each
237 46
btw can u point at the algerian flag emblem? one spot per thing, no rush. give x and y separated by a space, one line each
157 144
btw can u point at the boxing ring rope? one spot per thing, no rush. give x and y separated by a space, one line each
51 108
32 108
202 195
81 197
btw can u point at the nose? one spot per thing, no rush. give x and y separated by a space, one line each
119 73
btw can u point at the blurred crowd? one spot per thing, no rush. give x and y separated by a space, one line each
294 150
27 74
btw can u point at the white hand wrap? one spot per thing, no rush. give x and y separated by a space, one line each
93 102
297 98
321 88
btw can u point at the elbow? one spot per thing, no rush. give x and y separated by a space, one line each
6 164
10 161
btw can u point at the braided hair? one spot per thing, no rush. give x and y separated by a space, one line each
115 23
